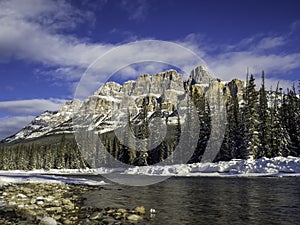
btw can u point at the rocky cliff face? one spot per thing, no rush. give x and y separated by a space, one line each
101 112
200 75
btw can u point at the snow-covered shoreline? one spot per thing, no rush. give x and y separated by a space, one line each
278 167
13 177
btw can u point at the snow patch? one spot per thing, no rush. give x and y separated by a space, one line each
7 177
278 166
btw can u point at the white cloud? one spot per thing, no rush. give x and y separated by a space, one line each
270 42
30 30
271 83
233 64
161 52
21 112
53 14
12 124
256 43
27 33
30 107
27 41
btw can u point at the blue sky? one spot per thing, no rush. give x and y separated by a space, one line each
46 45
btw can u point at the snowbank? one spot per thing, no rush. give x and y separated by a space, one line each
19 178
279 166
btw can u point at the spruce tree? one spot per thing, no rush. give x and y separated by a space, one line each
143 134
280 139
129 144
251 122
264 121
235 129
32 158
60 153
293 121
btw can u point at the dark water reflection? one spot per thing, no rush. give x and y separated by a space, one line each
210 200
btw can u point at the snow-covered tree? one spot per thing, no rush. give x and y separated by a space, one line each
264 121
251 121
280 139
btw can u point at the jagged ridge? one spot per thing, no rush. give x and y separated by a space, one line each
99 110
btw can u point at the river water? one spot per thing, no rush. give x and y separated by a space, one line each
209 201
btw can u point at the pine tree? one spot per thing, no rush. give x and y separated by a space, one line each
60 153
237 131
251 121
32 158
264 121
143 134
129 147
1 157
293 121
233 146
279 136
47 157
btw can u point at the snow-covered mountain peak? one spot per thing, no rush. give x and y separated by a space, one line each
98 112
109 88
201 75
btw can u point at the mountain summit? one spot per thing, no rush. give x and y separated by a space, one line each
201 75
98 112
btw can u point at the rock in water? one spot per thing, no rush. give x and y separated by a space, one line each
152 211
140 210
96 216
48 221
134 217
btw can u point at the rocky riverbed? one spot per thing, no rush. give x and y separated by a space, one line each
51 204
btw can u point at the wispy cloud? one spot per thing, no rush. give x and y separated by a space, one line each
270 42
257 42
20 113
126 35
257 52
31 31
160 52
12 124
234 64
53 15
30 107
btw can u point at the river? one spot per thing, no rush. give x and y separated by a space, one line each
209 201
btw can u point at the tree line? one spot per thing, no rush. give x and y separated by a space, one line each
29 156
266 124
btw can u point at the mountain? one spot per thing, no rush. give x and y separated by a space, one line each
99 111
160 119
